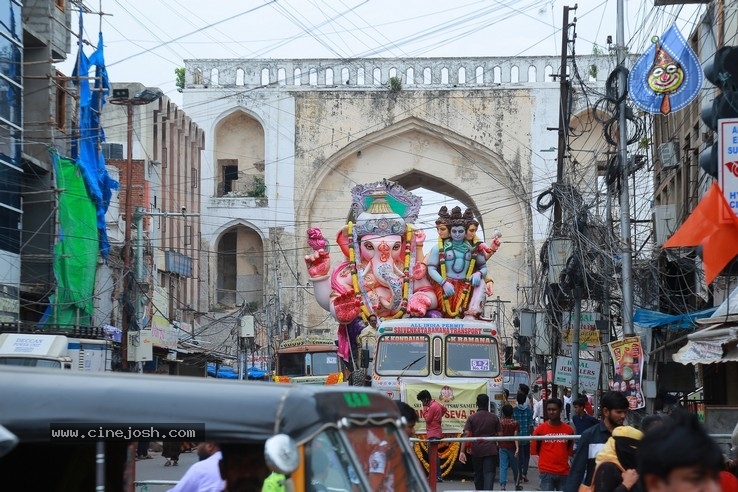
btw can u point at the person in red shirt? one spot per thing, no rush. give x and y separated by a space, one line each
433 413
553 454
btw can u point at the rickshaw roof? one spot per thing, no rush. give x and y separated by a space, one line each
231 410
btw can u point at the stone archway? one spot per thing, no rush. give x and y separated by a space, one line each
239 266
417 154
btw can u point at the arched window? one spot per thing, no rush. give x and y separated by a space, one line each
240 76
345 76
281 76
515 75
444 75
392 72
377 76
479 75
462 75
497 75
197 76
427 76
264 76
410 76
214 76
313 77
532 74
328 76
297 77
360 76
548 72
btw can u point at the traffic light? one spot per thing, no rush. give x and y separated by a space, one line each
722 72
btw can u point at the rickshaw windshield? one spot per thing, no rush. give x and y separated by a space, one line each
383 458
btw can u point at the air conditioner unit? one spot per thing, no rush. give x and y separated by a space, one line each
669 155
665 222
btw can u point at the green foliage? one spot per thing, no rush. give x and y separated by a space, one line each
252 307
258 188
596 50
180 82
395 84
644 143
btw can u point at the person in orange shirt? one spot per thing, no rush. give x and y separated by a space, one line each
553 454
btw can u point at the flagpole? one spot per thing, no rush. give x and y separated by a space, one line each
625 239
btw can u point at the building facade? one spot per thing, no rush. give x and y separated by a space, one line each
288 139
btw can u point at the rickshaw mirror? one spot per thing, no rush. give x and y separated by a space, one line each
281 454
8 440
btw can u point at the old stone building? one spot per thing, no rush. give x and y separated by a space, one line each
287 139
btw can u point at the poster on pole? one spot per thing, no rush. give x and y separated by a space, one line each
589 334
589 373
627 358
728 160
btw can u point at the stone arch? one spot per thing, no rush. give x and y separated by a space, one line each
418 154
514 74
240 77
329 76
588 151
239 264
462 75
239 149
265 76
444 75
214 76
532 73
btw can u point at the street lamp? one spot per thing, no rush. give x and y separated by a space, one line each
121 97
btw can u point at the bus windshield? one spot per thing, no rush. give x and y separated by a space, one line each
472 356
402 355
314 364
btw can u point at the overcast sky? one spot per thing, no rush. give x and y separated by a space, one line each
145 40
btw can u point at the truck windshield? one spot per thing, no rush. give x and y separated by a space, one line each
30 362
321 364
472 356
396 354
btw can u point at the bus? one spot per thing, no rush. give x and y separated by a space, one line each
308 360
454 359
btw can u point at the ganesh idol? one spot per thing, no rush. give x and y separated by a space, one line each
381 272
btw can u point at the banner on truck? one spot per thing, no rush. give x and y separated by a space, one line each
460 402
627 358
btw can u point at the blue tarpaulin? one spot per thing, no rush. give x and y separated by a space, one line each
224 372
255 373
655 319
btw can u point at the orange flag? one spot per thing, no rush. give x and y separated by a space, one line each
714 226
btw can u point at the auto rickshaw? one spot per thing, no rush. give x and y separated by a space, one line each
292 423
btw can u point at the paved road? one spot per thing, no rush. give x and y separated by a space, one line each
154 469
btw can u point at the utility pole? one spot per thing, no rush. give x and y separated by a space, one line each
121 97
625 240
563 131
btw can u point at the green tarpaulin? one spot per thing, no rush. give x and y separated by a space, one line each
75 254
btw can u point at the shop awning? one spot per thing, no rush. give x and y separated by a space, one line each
710 345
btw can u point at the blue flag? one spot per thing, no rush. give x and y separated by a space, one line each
667 76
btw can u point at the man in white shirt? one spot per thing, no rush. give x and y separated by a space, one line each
538 409
203 476
568 409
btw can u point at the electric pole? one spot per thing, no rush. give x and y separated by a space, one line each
625 240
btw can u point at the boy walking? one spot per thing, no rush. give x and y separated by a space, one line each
509 449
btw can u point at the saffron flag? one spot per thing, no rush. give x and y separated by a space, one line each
714 226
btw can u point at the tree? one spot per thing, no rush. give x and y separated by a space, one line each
180 74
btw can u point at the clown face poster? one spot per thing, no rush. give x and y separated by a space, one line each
667 76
